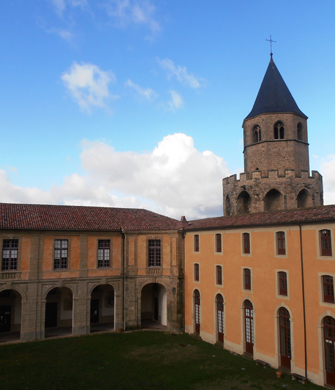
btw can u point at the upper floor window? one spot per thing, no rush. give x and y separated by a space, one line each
325 242
103 253
299 131
256 134
247 279
9 255
154 253
218 243
246 243
196 272
219 275
328 288
282 283
278 130
196 243
281 250
61 254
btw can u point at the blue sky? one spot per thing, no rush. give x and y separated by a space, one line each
140 103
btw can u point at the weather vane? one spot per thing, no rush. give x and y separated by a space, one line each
270 40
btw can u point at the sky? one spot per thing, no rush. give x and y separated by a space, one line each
140 103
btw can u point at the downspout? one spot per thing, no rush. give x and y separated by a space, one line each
123 280
303 299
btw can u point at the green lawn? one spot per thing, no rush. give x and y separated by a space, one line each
136 360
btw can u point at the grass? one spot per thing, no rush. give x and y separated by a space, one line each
136 360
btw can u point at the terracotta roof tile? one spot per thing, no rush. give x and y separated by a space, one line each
81 218
285 217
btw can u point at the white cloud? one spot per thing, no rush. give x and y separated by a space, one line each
176 100
147 93
61 5
88 85
327 169
174 179
180 72
138 12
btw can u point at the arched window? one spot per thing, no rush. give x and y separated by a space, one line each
243 203
196 300
278 130
249 327
285 338
273 200
304 199
329 345
299 131
220 318
256 134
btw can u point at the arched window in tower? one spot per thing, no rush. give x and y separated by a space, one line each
278 132
256 134
299 131
273 200
227 206
304 199
243 203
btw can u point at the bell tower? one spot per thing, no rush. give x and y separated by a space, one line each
276 158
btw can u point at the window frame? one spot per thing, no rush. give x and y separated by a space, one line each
196 243
196 272
327 298
13 262
218 243
154 253
247 282
246 243
325 240
281 243
62 265
218 275
282 283
104 262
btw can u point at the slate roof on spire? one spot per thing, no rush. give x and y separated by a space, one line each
273 95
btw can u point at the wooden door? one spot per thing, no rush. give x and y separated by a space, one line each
5 318
329 341
51 311
285 338
249 327
197 311
94 311
220 318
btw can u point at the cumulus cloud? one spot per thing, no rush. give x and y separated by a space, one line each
136 12
181 73
88 85
146 93
176 100
327 169
174 179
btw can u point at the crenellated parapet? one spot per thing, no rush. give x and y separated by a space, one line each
257 192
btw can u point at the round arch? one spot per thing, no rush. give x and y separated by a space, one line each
18 289
153 305
102 307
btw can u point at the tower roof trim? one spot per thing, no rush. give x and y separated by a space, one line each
274 95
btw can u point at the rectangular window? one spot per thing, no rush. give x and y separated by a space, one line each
328 288
326 243
219 275
247 278
103 253
196 272
196 243
154 253
61 254
281 250
246 243
9 255
218 243
282 282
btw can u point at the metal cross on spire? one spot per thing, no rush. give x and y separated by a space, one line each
271 40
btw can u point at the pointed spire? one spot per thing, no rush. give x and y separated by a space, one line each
273 95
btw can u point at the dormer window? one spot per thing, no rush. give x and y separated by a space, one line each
256 134
278 130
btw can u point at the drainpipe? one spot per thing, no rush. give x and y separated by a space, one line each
303 299
123 279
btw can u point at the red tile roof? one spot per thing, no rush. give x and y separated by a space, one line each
81 218
319 214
